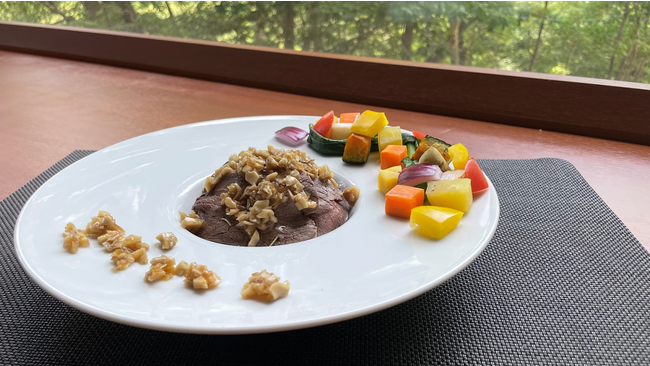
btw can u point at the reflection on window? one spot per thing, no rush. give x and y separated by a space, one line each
608 40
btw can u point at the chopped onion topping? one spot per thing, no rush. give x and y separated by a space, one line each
292 136
419 173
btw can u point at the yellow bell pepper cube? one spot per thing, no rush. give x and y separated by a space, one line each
456 193
434 222
389 136
369 123
459 155
387 178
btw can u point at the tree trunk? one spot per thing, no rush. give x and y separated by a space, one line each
462 50
435 52
533 59
288 24
640 69
628 64
128 13
91 9
313 35
318 38
617 39
456 42
52 7
308 24
259 37
169 9
407 41
568 63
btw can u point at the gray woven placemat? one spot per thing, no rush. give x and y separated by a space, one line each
562 282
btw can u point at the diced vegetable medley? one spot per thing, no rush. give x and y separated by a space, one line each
424 179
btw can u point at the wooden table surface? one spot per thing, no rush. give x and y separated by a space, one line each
50 107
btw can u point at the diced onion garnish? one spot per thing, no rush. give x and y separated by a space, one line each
292 136
419 173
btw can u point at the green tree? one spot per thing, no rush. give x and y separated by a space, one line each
591 39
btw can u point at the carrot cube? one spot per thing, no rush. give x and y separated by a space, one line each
402 199
348 117
392 155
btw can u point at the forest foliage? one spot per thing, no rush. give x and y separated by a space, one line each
607 40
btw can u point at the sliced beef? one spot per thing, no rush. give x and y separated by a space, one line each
330 214
292 226
224 182
310 189
216 229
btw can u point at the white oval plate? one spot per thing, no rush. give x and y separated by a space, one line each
370 263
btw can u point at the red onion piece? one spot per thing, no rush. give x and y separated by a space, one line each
292 136
419 173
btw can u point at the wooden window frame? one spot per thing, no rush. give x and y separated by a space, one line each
591 107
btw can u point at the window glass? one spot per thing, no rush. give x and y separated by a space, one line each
607 40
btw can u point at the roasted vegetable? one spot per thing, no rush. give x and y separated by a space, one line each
387 178
459 155
369 123
453 174
291 136
411 143
456 194
434 222
340 131
418 135
357 149
324 124
327 146
475 174
419 173
429 142
389 135
392 155
402 199
432 156
348 117
408 162
324 145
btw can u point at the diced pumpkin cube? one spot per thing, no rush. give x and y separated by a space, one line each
340 131
392 156
400 200
456 194
348 117
434 222
357 149
459 155
387 178
369 123
389 136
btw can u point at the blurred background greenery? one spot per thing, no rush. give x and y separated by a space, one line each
607 40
